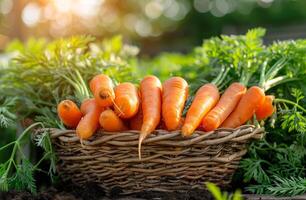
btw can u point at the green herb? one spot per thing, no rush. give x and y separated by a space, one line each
282 187
218 195
7 116
18 173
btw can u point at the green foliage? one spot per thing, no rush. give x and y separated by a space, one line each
276 164
31 46
255 170
50 72
23 178
18 172
293 119
282 187
7 116
43 140
218 195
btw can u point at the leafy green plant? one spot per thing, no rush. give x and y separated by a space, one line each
7 116
277 163
18 172
281 186
218 195
61 69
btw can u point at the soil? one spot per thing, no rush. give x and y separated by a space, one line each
94 192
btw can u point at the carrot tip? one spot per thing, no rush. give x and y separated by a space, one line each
186 131
141 138
81 141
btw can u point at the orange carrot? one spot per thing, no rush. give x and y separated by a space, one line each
181 123
224 107
136 121
246 108
151 89
205 99
69 113
266 109
126 100
102 89
90 121
87 105
109 121
175 92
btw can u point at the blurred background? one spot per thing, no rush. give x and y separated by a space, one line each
153 25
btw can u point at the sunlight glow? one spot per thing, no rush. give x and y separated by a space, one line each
31 14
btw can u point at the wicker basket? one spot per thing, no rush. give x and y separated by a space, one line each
169 162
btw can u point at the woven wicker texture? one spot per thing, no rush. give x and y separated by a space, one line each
169 161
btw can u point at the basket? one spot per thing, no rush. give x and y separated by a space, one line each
169 161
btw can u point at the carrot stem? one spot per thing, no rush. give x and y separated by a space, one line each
290 102
221 76
84 86
224 75
224 83
216 80
262 74
277 81
275 68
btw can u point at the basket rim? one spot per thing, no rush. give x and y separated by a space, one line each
161 137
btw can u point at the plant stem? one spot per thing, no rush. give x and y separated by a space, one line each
290 102
16 147
7 145
221 86
277 81
215 81
43 158
87 94
27 130
262 75
11 160
222 77
275 68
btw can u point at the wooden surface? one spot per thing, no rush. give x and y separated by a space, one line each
268 197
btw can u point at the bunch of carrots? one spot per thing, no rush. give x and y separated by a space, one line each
156 105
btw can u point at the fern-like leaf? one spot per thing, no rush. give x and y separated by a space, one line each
23 178
288 186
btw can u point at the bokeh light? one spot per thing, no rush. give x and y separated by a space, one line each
6 6
31 14
143 20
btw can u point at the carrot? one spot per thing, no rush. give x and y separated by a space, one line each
90 121
266 109
126 100
181 123
69 113
136 121
224 107
175 92
150 88
86 105
205 99
246 108
102 89
109 121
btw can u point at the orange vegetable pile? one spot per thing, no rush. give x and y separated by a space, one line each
155 105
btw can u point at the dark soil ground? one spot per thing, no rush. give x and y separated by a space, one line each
93 192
